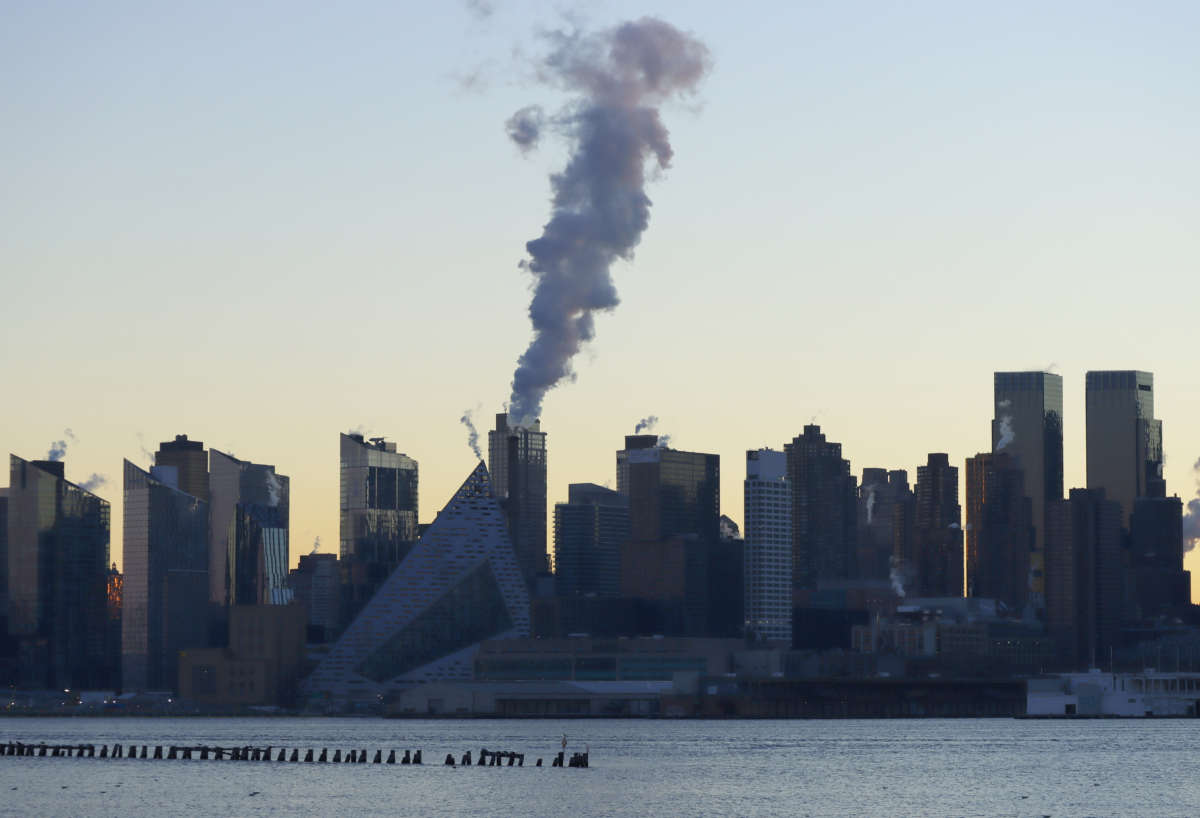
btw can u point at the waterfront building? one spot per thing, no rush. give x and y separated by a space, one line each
58 560
1028 427
1000 531
824 510
1124 440
589 530
1147 694
378 523
459 585
165 587
517 464
768 547
1083 576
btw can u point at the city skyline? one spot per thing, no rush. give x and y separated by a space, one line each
856 246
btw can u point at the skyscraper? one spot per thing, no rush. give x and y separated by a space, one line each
1124 441
248 535
1000 531
883 521
1083 576
768 547
165 585
1028 426
3 563
937 529
378 524
517 464
824 510
1160 585
589 530
58 547
190 460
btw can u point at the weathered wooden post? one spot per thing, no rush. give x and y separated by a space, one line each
378 757
449 760
391 759
417 757
337 756
407 758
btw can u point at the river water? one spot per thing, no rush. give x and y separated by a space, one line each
977 767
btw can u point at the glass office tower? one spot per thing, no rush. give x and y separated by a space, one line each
58 547
165 585
589 530
248 536
824 510
1124 441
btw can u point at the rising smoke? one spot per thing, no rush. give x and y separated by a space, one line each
316 545
619 78
146 453
94 482
1006 430
58 449
524 127
871 503
274 489
472 433
646 424
1191 517
896 577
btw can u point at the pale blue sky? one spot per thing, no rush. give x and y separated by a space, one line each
265 225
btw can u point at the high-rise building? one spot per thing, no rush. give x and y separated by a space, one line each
58 547
937 529
1124 441
248 532
317 584
768 547
1160 585
883 527
378 526
589 530
190 459
517 463
1000 531
824 510
1083 576
165 586
1028 426
3 562
459 585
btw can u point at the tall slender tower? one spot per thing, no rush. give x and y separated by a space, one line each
824 510
517 463
937 528
1124 441
768 547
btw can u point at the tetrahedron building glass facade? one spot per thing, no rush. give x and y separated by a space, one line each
459 585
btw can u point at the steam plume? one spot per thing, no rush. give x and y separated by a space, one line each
646 424
146 453
274 488
58 449
316 545
870 503
1191 518
620 78
664 442
1006 430
94 482
895 577
525 127
472 433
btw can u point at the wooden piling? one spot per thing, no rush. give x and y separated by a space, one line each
391 759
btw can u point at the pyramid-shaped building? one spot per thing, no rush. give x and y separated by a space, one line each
459 585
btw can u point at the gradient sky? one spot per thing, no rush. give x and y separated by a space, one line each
264 225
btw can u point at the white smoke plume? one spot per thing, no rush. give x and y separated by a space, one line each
896 577
646 424
94 482
1006 430
58 448
870 503
274 489
468 420
619 78
316 545
524 127
146 453
1191 517
664 442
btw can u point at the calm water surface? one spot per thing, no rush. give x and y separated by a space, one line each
992 767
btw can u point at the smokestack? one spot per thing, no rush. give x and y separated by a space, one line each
620 78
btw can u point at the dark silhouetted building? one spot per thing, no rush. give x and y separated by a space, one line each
58 549
937 530
378 525
190 460
824 510
1083 576
882 497
1000 532
1160 585
1124 441
1028 427
768 547
3 563
517 463
317 584
248 546
589 530
165 587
